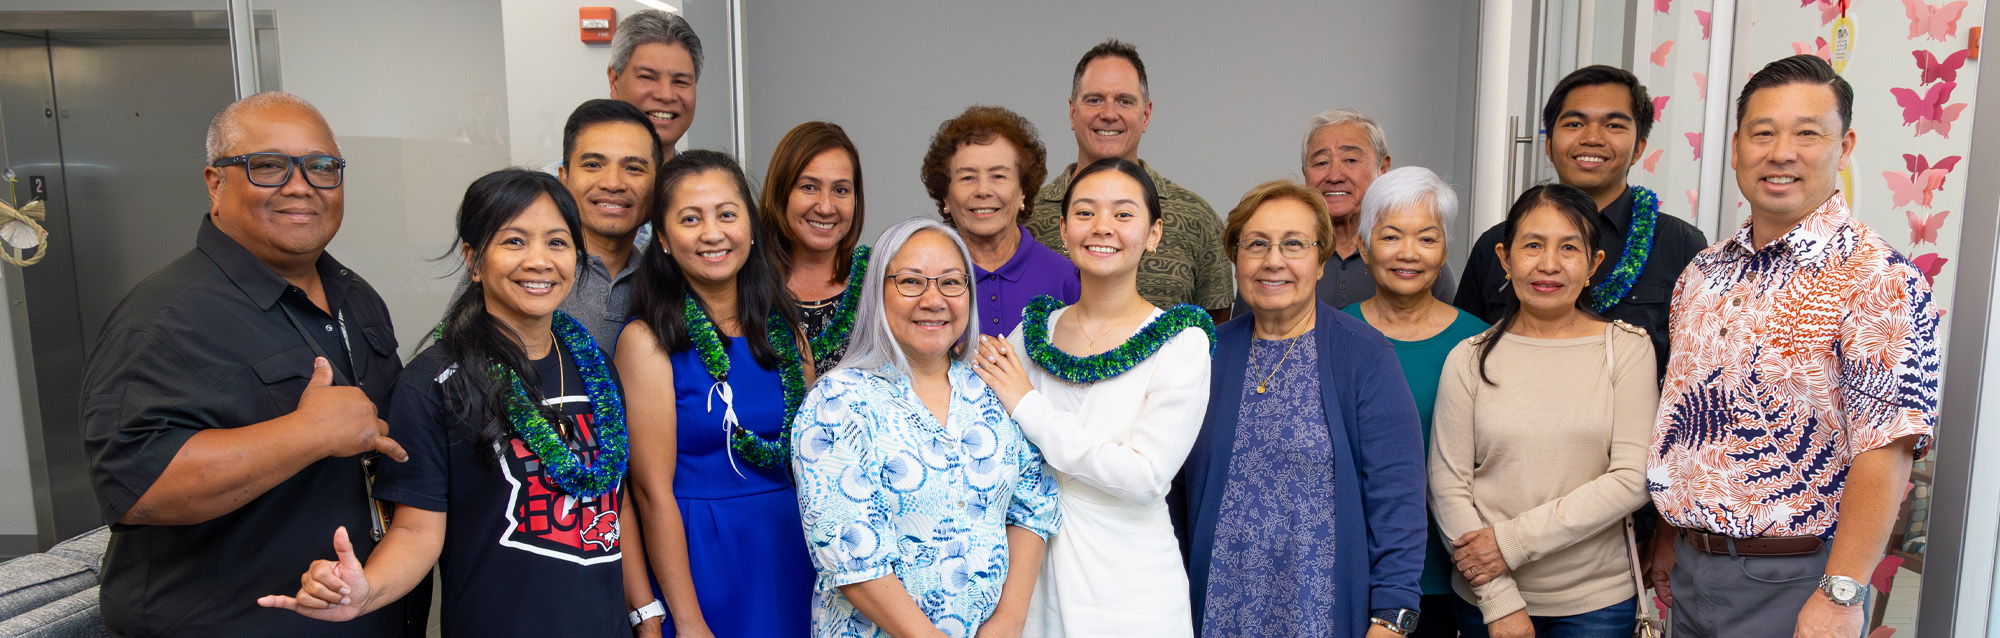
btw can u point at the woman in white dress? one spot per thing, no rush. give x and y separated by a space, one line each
1114 397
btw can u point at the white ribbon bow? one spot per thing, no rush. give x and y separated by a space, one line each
729 423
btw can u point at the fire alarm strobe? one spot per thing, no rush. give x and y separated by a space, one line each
596 24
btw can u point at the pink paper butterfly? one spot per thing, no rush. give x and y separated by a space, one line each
1659 107
1701 84
1930 105
1937 21
1930 264
1918 164
1652 159
1694 140
1913 188
1818 47
1660 53
1661 5
1935 69
1941 125
1925 228
1829 9
1703 17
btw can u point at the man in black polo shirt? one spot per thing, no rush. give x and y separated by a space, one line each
232 393
1597 120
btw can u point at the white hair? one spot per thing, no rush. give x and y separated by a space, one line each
226 130
1334 117
872 347
1407 186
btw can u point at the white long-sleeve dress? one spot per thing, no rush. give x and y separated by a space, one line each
1114 446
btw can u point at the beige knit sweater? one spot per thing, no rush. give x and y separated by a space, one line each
1552 458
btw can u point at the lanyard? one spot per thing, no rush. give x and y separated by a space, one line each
378 524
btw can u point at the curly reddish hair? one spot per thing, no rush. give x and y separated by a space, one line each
981 125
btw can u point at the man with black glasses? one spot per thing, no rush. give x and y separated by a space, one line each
233 394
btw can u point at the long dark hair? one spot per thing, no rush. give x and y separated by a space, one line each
800 147
1576 206
473 340
661 289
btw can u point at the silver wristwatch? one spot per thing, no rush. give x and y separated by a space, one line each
1842 590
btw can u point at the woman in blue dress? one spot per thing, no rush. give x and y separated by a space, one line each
713 372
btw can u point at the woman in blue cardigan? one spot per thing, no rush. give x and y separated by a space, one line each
1301 508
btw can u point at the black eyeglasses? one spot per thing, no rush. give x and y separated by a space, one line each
272 170
914 285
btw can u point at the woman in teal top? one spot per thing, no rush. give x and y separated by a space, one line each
1403 222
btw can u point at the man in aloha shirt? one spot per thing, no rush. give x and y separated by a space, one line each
1802 385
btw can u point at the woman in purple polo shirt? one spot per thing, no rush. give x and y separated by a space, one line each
980 169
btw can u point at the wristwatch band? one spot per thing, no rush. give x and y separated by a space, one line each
651 610
1401 621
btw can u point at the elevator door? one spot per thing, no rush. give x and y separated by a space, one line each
113 123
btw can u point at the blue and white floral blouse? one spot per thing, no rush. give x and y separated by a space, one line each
884 488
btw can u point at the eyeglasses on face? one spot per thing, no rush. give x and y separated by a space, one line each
913 285
272 170
1293 248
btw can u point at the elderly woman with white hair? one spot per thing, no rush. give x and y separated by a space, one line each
926 512
1403 224
1301 506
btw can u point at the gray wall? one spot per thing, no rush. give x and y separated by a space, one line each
1232 84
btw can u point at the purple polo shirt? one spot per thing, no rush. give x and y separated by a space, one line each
1034 270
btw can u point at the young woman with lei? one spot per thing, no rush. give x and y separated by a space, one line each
515 429
812 210
714 363
1114 397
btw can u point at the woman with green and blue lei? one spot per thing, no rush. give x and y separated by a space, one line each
1112 390
715 372
516 435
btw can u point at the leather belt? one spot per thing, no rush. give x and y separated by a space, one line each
1761 546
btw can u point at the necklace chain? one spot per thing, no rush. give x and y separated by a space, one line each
1091 342
1266 383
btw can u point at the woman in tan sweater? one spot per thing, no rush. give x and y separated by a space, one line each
1539 444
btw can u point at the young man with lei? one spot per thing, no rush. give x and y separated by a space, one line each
515 427
1597 120
1114 399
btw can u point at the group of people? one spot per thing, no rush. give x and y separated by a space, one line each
777 429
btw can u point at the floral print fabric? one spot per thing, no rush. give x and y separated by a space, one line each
887 489
1789 361
1272 570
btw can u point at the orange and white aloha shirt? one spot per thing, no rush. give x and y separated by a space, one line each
1788 361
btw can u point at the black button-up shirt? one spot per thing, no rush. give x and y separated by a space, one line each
206 343
1482 290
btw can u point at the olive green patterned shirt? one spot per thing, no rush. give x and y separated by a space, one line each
1189 267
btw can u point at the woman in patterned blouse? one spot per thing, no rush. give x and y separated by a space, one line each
926 511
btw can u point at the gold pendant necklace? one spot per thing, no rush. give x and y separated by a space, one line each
1265 384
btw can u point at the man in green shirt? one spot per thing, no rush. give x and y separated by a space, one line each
1109 109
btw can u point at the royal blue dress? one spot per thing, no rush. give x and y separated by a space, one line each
745 544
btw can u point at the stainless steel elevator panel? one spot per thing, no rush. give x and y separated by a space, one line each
133 114
114 121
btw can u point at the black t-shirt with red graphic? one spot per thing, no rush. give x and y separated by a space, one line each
519 554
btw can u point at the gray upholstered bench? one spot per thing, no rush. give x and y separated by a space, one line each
54 594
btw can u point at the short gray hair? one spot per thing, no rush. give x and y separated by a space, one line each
226 130
1325 119
653 26
872 348
1407 186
